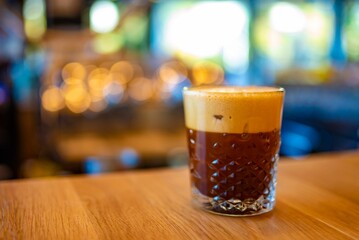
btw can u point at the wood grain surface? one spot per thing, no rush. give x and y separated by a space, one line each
317 198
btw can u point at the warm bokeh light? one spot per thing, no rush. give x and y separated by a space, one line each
141 89
73 70
104 16
76 97
97 81
99 73
34 19
52 99
207 73
172 78
122 72
73 80
113 92
172 72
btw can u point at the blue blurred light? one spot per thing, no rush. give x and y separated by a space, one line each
129 158
22 74
298 139
92 166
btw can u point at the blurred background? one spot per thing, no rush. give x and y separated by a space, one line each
95 86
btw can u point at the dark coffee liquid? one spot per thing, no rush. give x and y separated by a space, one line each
233 166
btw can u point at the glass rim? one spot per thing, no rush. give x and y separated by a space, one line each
199 89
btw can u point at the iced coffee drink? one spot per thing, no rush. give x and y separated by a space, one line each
233 141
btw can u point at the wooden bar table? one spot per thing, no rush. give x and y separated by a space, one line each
317 198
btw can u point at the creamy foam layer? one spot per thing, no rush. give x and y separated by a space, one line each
231 109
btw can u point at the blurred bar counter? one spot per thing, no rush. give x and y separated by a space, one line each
95 86
124 151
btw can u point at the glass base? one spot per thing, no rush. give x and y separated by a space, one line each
234 207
